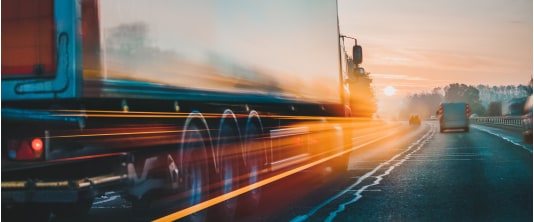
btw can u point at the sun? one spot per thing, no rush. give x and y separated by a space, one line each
390 91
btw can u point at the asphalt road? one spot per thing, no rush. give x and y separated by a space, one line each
416 174
422 175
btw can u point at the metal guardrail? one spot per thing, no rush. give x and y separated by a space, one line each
515 121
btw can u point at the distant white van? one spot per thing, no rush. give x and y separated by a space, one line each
453 116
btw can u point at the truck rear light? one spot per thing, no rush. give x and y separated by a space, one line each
37 145
25 149
467 111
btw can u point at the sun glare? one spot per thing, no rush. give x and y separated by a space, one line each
390 91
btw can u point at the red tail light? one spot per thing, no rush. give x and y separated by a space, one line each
467 111
25 149
37 145
440 112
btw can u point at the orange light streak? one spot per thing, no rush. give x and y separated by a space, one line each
139 114
219 199
119 134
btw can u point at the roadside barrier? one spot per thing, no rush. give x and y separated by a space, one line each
515 121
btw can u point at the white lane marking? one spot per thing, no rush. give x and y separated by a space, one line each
504 137
111 207
106 200
449 155
357 195
431 160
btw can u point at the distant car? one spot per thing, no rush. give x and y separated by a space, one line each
414 120
527 120
454 116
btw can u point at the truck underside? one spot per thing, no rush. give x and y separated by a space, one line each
145 148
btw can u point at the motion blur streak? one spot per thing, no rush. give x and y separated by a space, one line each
137 114
219 199
126 114
118 134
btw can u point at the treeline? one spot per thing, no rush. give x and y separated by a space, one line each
362 99
422 104
489 94
479 98
362 96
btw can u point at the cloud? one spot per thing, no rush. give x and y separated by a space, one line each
396 77
456 60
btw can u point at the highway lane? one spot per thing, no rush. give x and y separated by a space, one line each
312 194
456 176
423 176
418 174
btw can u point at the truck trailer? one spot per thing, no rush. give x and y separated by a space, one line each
454 115
183 100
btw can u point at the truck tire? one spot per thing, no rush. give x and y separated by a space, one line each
255 165
195 170
230 152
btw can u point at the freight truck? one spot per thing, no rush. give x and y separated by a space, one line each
454 116
185 100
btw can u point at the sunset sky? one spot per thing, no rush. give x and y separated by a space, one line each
417 45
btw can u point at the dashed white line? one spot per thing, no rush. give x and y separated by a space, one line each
106 200
357 194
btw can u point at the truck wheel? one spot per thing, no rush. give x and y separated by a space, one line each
230 149
195 171
255 165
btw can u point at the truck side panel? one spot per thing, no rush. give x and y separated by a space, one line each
230 46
